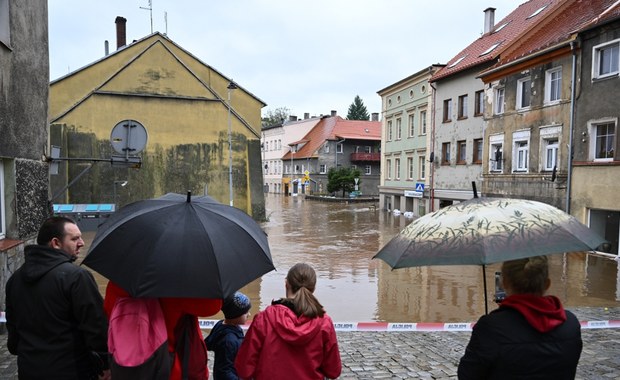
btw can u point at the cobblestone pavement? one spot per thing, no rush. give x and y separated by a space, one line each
433 355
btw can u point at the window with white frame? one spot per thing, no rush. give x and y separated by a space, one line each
423 122
603 139
397 168
353 167
326 147
498 106
524 90
2 205
553 85
322 169
368 170
605 59
399 131
389 130
551 153
422 166
388 168
339 148
411 125
410 168
496 153
368 149
520 151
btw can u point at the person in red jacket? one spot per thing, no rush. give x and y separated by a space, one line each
530 336
174 309
293 338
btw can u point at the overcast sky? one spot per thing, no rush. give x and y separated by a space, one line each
308 56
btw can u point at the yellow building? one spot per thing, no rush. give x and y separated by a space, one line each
182 103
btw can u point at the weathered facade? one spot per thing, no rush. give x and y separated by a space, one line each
191 112
594 195
24 69
405 138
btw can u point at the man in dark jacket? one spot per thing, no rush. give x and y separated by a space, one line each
530 336
54 312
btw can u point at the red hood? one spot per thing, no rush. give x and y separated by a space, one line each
542 313
291 328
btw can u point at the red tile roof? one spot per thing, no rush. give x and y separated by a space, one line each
559 26
504 33
335 128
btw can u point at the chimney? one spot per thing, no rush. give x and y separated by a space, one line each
489 19
334 113
106 46
375 116
121 32
306 115
292 118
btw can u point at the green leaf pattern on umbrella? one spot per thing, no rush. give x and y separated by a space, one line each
487 230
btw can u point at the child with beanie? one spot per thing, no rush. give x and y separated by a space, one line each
227 335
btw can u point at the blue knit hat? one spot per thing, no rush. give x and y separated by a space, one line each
236 306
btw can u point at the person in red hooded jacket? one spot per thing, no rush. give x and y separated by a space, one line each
293 338
530 335
174 310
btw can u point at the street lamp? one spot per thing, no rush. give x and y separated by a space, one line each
231 86
123 184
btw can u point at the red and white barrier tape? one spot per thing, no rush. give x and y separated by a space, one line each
400 327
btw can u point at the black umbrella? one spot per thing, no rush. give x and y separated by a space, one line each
177 246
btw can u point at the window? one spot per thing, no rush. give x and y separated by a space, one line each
326 150
490 49
496 157
524 91
422 166
353 167
388 167
389 130
461 149
445 153
551 153
368 149
5 25
322 168
368 170
605 58
553 85
447 110
399 132
477 159
410 168
411 125
521 153
479 103
423 122
397 168
499 101
339 148
463 107
2 208
603 140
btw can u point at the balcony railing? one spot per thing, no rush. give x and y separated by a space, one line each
375 157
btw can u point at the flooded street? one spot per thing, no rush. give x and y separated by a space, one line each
339 241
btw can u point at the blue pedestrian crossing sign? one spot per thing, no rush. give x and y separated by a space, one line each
419 187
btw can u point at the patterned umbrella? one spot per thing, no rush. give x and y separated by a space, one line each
482 231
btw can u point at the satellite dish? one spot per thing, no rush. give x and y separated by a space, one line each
128 137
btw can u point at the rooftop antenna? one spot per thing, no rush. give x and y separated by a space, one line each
150 9
166 21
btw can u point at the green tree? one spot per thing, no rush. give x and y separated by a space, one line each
275 117
342 179
357 110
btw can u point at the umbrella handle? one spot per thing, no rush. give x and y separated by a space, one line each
484 282
189 196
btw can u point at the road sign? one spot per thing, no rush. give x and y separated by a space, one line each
419 187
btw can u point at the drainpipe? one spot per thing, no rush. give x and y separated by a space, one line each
432 166
571 126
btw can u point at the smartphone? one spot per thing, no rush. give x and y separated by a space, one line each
500 294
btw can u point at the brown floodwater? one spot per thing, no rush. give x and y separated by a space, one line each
339 241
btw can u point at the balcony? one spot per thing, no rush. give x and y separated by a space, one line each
367 157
